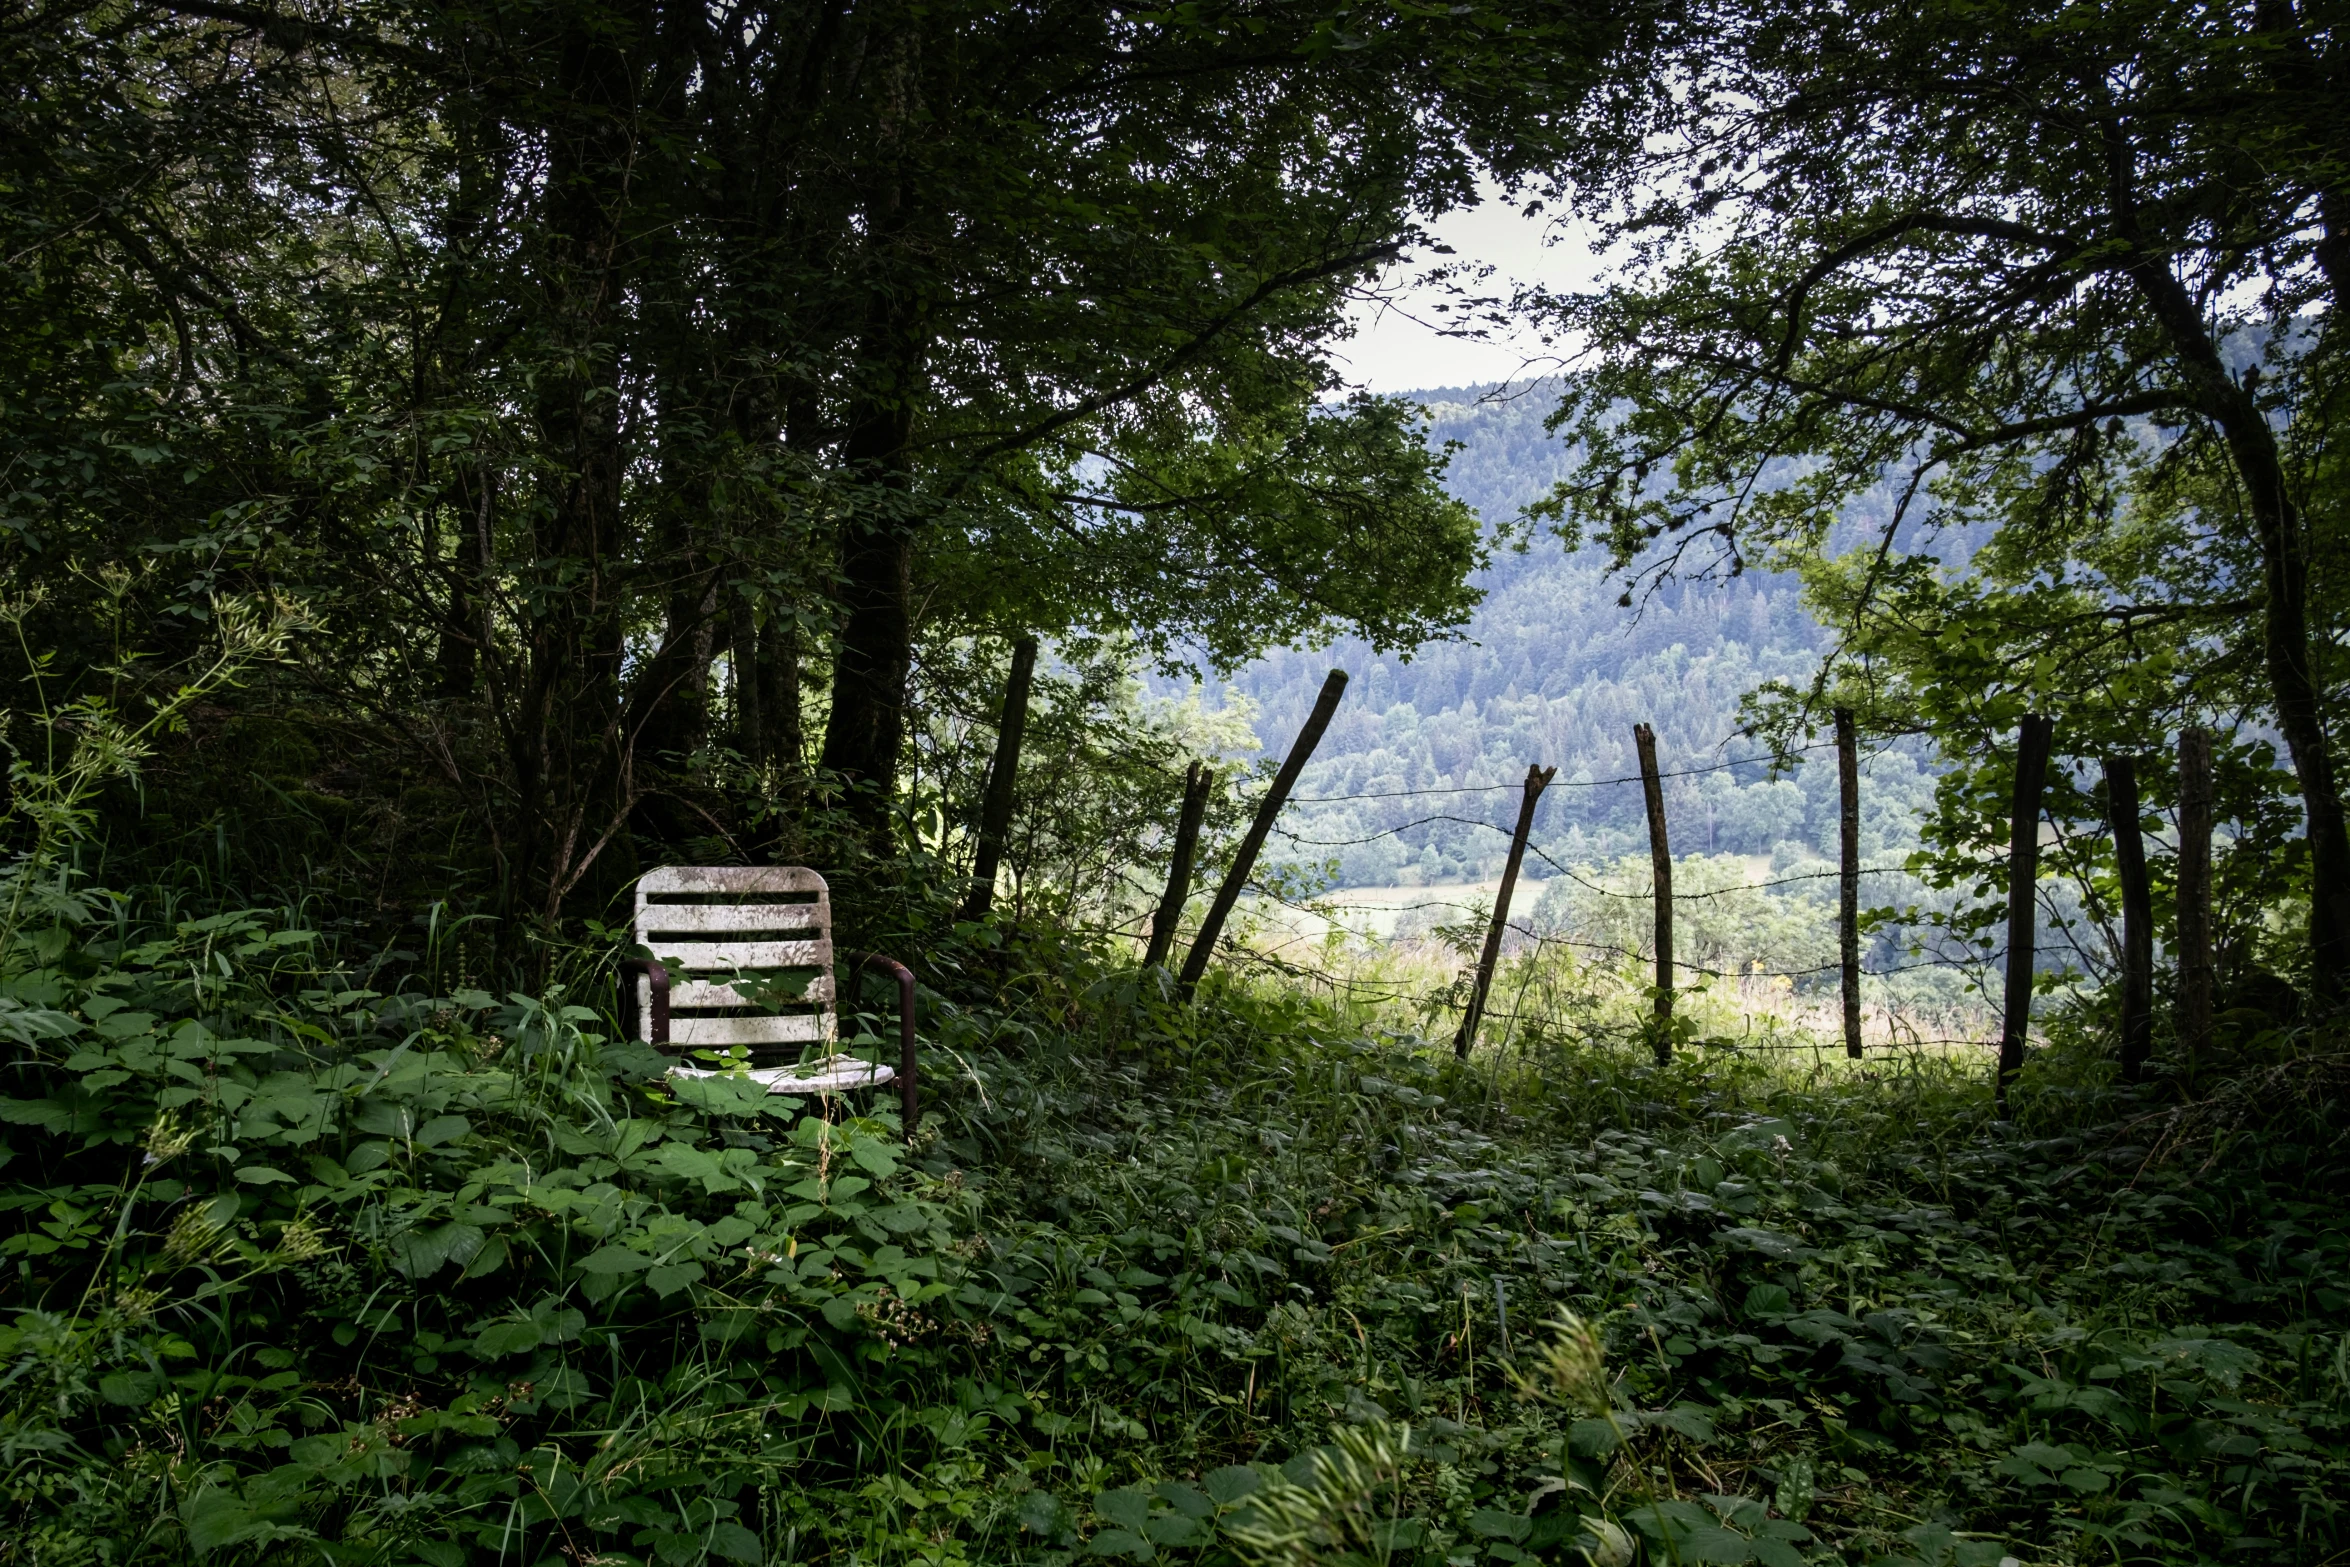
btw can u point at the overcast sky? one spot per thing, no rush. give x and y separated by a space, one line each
1404 348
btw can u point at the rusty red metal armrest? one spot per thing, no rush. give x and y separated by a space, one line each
656 1027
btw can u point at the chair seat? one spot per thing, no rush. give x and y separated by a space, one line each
831 1075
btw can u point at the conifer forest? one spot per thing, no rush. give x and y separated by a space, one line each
763 807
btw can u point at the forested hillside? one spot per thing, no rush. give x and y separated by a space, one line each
1552 670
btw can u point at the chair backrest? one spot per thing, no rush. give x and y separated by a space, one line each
711 925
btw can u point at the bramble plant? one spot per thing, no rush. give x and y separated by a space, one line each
301 1268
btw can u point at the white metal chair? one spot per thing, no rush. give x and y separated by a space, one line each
742 955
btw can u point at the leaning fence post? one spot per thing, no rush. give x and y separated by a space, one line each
1848 874
995 812
1196 783
1537 779
2023 876
2129 863
1203 946
1660 859
2194 929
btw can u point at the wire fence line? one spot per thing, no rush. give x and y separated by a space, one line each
1389 992
1570 783
1543 939
1261 890
1390 832
1571 874
1717 892
1545 856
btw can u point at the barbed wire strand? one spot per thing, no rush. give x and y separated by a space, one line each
1539 852
1541 939
1570 783
1514 1015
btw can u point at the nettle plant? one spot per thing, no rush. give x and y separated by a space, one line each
397 1277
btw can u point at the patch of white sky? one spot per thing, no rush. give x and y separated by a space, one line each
1405 341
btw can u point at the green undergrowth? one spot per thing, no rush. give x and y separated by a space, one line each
302 1265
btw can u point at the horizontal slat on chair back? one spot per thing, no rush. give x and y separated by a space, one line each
774 924
728 917
725 957
730 878
703 1031
690 993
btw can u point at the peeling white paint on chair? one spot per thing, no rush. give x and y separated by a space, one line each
726 939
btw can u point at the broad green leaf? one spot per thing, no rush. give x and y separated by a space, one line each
1594 1438
735 1543
1714 1544
1121 1542
1187 1500
668 1279
442 1129
1497 1525
613 1258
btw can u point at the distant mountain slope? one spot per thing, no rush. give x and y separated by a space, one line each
1552 671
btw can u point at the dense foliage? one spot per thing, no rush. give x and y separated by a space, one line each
455 456
633 393
2056 291
311 1270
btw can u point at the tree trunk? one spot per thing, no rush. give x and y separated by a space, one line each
457 659
2194 894
1003 780
2023 881
873 651
2129 859
670 696
742 647
671 703
779 668
570 761
2235 409
873 655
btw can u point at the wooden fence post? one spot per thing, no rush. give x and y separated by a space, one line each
1660 859
1537 779
995 812
1203 946
2129 862
1848 873
2194 928
1170 914
2023 876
